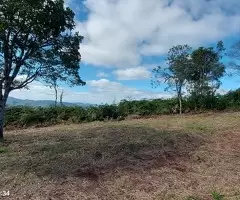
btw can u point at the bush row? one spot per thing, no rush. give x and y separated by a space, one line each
23 116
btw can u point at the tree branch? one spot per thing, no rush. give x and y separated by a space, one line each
28 80
6 54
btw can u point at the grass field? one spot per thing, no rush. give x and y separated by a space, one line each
168 157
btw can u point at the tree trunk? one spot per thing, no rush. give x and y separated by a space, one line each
2 112
61 98
180 105
56 95
179 95
3 101
2 116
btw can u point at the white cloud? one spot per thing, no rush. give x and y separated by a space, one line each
138 73
102 75
222 91
100 91
118 32
110 90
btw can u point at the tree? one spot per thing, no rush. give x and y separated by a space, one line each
53 84
61 98
55 87
205 72
175 73
37 41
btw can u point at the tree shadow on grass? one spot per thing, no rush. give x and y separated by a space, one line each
98 151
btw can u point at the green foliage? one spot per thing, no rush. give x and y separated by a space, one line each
199 71
3 150
217 196
204 75
23 116
39 34
37 41
176 72
28 119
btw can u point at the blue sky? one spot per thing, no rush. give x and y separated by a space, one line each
125 39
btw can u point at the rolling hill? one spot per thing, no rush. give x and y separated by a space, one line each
43 103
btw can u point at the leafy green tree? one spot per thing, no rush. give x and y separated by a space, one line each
205 72
37 41
175 74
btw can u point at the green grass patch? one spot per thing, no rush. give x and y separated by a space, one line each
3 150
217 196
214 196
199 127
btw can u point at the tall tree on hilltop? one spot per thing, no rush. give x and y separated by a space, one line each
175 74
36 41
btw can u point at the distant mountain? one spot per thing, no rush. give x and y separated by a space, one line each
43 103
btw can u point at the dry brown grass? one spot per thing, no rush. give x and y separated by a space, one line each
169 157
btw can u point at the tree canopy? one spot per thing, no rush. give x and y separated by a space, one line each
175 74
200 69
37 41
205 71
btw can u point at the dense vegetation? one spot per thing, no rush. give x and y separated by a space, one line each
22 116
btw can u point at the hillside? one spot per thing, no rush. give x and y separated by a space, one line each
43 103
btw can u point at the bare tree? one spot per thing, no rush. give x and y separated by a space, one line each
53 85
61 98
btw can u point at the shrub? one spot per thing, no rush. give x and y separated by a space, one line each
29 119
25 116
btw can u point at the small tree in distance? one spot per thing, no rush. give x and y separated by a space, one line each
38 42
61 98
52 83
175 74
